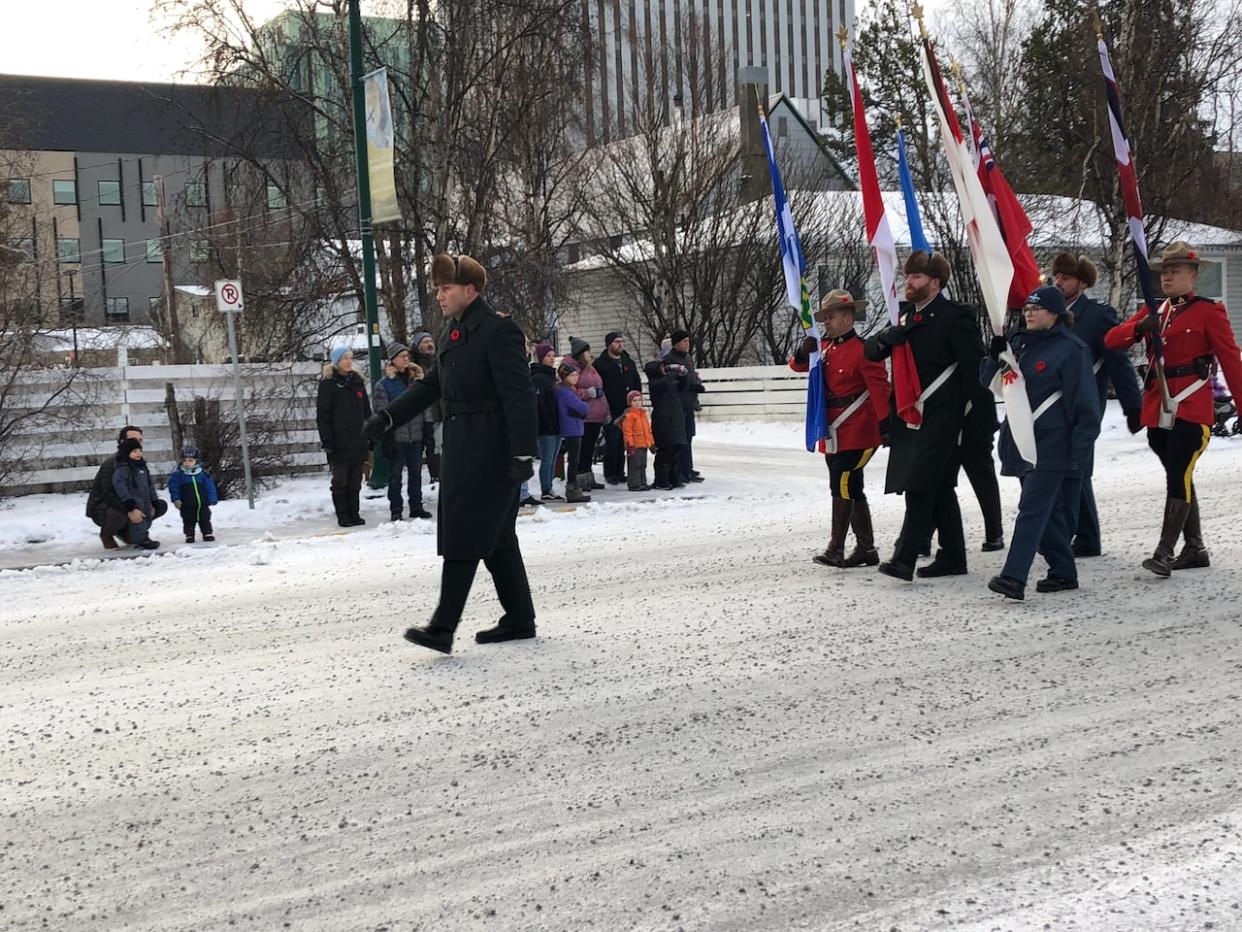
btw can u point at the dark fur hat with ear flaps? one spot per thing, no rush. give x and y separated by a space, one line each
934 266
457 270
1080 267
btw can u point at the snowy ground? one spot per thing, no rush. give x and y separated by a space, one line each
710 733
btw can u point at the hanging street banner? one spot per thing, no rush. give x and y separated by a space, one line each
380 147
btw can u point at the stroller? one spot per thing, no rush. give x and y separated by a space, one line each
1225 409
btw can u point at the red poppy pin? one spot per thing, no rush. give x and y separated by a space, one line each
1192 255
1041 366
918 318
359 394
455 335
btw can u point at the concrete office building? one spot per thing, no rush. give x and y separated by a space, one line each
705 42
82 157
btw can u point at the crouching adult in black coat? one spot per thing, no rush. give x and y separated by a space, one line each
489 443
102 504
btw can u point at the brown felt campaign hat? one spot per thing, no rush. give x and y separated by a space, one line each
1179 251
839 300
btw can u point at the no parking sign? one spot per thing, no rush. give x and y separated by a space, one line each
229 297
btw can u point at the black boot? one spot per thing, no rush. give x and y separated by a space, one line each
897 570
1175 514
355 519
505 631
430 636
943 565
1009 588
1194 555
341 506
834 554
864 553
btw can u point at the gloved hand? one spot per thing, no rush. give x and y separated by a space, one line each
1149 324
1134 421
520 469
998 345
893 336
376 426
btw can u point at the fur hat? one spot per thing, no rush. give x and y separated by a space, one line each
934 266
677 336
126 447
578 346
542 350
457 270
1080 267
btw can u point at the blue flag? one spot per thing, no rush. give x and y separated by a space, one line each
913 221
799 298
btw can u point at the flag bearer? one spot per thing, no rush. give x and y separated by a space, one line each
856 399
923 463
1092 320
1056 367
1177 411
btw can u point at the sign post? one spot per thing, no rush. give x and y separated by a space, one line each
229 301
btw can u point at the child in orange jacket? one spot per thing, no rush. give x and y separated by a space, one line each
636 432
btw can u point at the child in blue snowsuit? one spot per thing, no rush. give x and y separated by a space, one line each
192 490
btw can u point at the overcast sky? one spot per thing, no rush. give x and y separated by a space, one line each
115 39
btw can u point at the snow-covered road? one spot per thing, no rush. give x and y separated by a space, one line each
710 733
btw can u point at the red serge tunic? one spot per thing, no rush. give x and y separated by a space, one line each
848 374
1195 328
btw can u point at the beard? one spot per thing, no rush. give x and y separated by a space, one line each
918 295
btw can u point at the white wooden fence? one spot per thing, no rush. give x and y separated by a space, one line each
753 393
61 450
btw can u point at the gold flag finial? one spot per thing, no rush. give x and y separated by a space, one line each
917 12
1099 26
842 35
956 68
899 122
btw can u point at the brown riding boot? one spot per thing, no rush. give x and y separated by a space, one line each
835 554
1175 513
109 541
864 553
1194 555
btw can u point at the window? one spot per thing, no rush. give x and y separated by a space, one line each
64 192
68 249
275 197
113 251
148 194
196 194
1211 280
154 251
110 193
24 245
19 191
116 309
200 250
72 311
155 307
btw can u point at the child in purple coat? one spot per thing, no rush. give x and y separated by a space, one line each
572 411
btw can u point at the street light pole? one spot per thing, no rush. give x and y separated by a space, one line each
369 299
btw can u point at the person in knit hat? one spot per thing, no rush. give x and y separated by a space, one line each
572 412
341 409
193 493
102 505
133 485
543 376
591 390
679 357
620 376
404 447
639 440
423 355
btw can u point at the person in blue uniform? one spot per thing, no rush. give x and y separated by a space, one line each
1056 367
1092 319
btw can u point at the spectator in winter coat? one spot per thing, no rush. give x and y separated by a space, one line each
636 431
619 375
134 487
102 505
572 411
679 355
404 447
342 409
668 423
543 376
423 355
591 390
1056 367
193 493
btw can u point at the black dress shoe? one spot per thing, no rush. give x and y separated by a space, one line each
421 514
993 545
939 567
1055 584
440 639
505 632
1009 588
1082 550
897 570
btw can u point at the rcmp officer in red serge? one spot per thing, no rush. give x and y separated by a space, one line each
489 442
1179 418
923 463
857 401
1092 319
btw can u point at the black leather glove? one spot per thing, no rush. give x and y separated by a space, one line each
999 345
520 469
893 336
376 426
1149 324
1134 421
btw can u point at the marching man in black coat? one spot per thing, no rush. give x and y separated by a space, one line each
489 442
923 462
